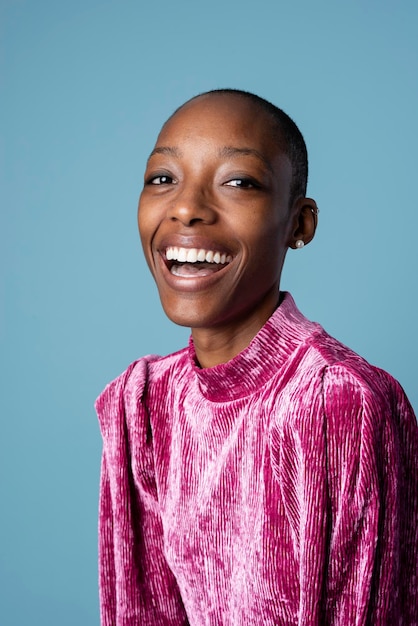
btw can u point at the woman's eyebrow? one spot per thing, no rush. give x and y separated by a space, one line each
171 151
231 151
226 151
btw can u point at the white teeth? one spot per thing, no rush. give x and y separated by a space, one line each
191 255
182 255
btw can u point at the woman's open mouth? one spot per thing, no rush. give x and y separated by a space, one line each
192 262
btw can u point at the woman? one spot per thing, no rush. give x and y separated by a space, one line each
266 474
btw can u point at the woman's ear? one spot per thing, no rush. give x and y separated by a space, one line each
305 220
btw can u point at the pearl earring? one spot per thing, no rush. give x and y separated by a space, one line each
299 244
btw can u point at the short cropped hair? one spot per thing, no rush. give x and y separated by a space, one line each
289 136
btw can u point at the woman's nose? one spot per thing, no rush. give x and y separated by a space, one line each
190 206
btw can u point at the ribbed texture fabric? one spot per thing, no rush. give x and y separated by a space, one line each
277 489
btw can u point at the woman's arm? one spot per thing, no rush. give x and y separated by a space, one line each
136 584
372 458
346 458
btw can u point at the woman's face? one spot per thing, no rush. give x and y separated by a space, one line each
214 214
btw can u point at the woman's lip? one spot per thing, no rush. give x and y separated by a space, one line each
190 283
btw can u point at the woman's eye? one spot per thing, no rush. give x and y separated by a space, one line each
242 183
160 180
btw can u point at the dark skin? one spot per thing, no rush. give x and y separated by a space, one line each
217 182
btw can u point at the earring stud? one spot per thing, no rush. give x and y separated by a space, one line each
299 243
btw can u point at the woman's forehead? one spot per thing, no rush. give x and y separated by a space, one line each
222 117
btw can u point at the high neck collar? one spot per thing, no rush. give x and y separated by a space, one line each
247 372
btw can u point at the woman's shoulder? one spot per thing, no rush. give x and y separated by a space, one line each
343 363
351 385
123 394
323 362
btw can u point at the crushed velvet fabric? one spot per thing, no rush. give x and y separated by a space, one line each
279 488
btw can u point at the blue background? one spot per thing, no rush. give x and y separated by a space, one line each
85 88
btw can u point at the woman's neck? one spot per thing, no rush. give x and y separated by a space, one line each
220 344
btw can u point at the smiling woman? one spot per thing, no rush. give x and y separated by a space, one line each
266 474
220 183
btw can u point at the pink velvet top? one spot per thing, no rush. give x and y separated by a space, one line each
279 488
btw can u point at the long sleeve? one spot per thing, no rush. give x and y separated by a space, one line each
372 480
346 463
136 584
